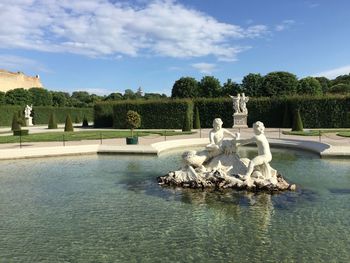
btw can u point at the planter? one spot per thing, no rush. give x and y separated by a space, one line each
132 140
20 132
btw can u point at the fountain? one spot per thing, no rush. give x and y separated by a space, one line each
220 166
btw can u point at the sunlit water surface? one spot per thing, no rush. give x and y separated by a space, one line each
111 209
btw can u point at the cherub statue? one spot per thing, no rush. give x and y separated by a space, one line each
236 103
264 152
242 103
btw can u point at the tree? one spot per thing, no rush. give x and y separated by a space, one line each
309 85
40 97
59 98
230 88
185 87
18 97
209 87
52 121
280 83
2 97
68 127
342 79
252 85
81 99
325 84
114 96
340 88
129 94
133 121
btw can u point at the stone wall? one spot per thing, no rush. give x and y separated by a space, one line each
10 80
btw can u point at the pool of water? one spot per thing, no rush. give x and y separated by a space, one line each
110 209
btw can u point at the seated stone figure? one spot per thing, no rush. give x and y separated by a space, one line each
216 146
261 162
219 165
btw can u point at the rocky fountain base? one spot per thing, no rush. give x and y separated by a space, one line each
224 171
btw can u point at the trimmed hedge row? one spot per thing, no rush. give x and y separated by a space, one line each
316 112
158 114
41 114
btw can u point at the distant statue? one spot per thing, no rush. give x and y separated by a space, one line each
236 103
27 111
242 104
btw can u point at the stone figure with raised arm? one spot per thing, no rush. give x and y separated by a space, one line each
28 111
242 103
236 103
264 152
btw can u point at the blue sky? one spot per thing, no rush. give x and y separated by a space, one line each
103 46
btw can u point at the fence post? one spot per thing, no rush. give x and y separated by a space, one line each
279 133
165 135
101 137
20 139
319 135
64 142
200 132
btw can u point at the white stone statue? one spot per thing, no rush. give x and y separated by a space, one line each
27 112
242 103
264 153
219 165
236 103
216 135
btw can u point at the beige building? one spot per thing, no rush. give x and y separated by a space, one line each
10 80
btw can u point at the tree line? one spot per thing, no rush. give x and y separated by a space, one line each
81 99
277 83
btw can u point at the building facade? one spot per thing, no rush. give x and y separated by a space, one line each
11 80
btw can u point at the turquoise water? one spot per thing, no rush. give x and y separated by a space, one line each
110 209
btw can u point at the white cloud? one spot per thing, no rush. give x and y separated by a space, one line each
99 28
205 68
286 24
16 63
333 73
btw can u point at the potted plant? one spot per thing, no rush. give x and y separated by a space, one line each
133 121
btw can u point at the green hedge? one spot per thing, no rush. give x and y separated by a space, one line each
41 114
330 111
6 114
158 114
103 114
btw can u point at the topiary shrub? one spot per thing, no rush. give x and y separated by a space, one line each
133 121
297 122
286 123
85 122
16 126
20 119
20 132
68 127
197 121
77 119
52 121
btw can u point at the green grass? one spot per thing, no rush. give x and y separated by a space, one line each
344 134
84 135
318 131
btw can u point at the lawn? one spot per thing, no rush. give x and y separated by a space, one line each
84 135
306 132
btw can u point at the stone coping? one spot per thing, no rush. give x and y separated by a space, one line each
324 150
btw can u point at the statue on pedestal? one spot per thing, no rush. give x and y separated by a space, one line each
240 111
219 165
27 115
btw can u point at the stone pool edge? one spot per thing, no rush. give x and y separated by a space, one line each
322 149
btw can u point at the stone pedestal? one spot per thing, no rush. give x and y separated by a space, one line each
29 121
240 120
